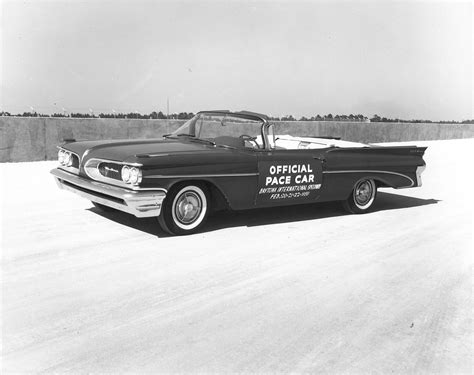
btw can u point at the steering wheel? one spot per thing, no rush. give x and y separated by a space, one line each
248 138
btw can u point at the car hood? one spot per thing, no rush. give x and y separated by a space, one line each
131 150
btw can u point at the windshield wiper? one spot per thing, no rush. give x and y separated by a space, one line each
192 137
202 140
172 135
226 146
176 136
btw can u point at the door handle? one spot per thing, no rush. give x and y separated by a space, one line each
322 159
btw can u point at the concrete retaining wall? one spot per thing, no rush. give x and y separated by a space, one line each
372 132
31 139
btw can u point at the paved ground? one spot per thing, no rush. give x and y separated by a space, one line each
305 289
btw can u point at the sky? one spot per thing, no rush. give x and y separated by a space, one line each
405 59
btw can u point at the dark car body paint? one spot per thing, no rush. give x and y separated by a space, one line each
235 172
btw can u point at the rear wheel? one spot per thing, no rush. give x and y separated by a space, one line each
103 207
362 197
185 209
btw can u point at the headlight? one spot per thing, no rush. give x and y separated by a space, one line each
61 156
131 175
67 159
135 176
64 158
126 174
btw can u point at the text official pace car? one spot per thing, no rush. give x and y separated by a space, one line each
235 160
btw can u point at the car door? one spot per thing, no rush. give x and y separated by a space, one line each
289 176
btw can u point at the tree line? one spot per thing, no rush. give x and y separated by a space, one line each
328 117
131 115
187 115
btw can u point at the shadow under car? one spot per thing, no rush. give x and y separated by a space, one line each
265 216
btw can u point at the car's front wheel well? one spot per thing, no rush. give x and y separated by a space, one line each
218 200
380 183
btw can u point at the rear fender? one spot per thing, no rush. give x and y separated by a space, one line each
396 167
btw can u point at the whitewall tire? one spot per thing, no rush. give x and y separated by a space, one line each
362 197
185 209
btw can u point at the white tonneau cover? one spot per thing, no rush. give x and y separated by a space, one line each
298 143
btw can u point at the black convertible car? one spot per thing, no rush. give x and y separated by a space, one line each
222 159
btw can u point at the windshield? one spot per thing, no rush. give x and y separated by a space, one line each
223 130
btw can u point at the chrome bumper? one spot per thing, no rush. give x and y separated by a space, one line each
419 171
139 203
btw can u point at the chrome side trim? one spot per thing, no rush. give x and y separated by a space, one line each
412 183
138 203
138 188
202 175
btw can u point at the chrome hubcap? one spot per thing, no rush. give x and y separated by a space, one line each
363 192
188 207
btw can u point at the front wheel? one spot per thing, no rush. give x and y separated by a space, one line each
362 197
185 209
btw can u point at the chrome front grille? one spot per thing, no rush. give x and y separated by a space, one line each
107 171
110 170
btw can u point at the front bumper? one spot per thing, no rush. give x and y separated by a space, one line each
419 171
136 202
